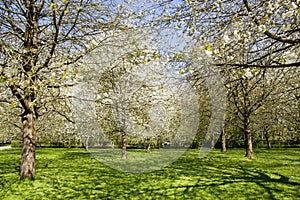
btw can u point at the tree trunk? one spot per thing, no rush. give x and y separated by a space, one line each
29 116
27 168
86 145
124 145
69 142
268 140
223 141
212 141
112 144
248 143
149 148
158 142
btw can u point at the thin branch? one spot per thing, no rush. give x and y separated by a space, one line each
268 54
65 116
297 64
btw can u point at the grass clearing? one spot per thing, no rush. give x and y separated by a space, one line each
75 174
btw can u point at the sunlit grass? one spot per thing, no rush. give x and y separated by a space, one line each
75 174
137 159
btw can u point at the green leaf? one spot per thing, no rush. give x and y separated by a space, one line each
207 46
13 105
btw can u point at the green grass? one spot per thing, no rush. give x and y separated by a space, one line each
75 174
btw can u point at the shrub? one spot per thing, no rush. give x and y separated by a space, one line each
16 143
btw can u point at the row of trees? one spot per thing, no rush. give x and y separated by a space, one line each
254 45
246 39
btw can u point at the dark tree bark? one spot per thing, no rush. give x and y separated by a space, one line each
158 142
268 140
124 156
27 168
223 141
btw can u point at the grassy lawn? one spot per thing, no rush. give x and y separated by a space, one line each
75 174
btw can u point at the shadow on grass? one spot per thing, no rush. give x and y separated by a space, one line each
66 174
234 180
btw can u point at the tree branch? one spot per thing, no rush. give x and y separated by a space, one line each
267 32
65 116
4 101
297 64
16 93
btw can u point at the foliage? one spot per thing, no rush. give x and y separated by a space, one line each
16 143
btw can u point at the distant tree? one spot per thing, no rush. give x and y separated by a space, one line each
249 90
241 36
280 110
56 123
132 89
10 125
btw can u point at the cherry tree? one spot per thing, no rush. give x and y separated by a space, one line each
41 42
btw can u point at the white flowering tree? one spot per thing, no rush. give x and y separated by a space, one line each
241 37
241 33
40 43
248 92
